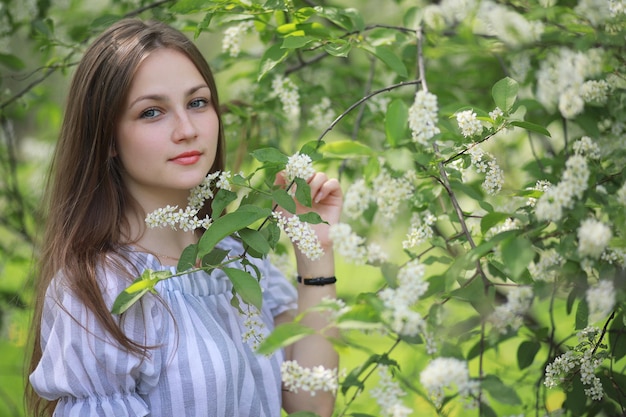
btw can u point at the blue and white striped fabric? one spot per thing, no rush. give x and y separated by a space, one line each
200 368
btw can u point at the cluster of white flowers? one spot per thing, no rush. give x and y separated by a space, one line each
402 319
353 247
255 328
547 267
311 380
387 394
231 42
484 162
223 181
540 185
390 193
600 300
506 24
202 192
443 373
587 147
322 114
617 7
423 117
299 165
594 11
561 196
448 13
561 76
469 123
585 358
357 199
288 94
301 234
614 255
510 314
420 229
187 219
595 91
593 238
171 216
496 114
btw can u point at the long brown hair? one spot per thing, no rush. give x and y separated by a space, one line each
85 196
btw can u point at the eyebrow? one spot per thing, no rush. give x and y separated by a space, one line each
159 97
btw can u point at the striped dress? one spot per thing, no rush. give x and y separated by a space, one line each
201 366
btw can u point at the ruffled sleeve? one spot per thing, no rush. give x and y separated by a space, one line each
84 368
279 295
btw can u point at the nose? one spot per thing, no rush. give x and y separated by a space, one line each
184 127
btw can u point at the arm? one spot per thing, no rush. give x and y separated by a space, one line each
315 349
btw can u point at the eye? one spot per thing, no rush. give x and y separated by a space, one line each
150 113
198 103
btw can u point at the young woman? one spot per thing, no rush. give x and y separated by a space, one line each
142 128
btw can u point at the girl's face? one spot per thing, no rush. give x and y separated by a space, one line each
168 131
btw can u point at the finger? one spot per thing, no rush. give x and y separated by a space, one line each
330 188
281 178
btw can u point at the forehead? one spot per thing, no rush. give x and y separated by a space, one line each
166 69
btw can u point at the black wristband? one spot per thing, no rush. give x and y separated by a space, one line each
317 281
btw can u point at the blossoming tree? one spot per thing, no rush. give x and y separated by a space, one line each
481 149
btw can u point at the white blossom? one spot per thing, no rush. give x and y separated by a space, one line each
496 114
288 94
348 244
510 314
423 117
587 147
299 165
547 267
301 234
484 162
506 24
358 197
390 193
442 373
600 300
593 238
420 229
231 43
387 394
321 114
469 123
595 91
311 380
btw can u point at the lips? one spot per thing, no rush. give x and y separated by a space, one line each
186 158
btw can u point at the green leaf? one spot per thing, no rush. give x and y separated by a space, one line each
283 335
311 217
12 62
214 258
271 155
303 192
338 47
137 289
284 200
304 414
582 314
491 219
255 240
617 338
188 258
526 353
504 93
396 122
246 286
392 60
228 224
530 126
221 200
347 148
272 57
188 6
500 392
348 19
295 42
517 253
